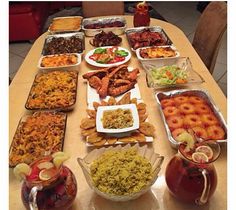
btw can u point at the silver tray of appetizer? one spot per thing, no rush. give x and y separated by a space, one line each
93 26
191 110
64 43
147 36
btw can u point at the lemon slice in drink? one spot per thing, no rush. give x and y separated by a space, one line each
206 150
21 171
200 157
45 165
59 159
56 154
47 174
186 137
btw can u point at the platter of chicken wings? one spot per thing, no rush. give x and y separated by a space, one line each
112 81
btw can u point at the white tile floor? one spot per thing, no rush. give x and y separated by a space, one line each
184 15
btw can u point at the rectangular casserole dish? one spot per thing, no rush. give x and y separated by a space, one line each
37 134
190 92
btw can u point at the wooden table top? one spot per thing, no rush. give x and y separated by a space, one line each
158 198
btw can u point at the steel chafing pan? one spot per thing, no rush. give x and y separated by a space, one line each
158 29
59 47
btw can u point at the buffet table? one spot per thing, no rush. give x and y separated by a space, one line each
158 197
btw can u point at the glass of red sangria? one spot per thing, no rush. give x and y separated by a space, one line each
190 174
141 15
48 184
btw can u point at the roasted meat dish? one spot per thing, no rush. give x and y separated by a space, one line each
60 45
112 81
146 38
105 39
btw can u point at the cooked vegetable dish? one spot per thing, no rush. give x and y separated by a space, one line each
53 90
37 134
121 172
60 45
59 60
117 119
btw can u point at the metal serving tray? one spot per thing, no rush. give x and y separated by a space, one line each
19 127
48 39
93 32
152 29
65 31
190 92
68 108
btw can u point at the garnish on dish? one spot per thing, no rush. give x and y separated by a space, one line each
109 55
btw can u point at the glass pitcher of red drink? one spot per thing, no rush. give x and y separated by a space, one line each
191 175
48 184
141 15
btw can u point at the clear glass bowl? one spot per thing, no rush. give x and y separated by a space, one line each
154 158
182 62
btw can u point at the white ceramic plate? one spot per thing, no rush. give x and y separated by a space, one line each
119 135
94 63
102 109
93 96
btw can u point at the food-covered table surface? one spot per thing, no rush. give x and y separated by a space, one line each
158 197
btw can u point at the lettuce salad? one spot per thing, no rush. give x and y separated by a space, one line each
168 75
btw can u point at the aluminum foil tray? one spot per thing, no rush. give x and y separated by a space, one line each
190 92
93 32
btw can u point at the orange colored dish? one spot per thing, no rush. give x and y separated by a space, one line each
37 134
54 90
157 52
184 112
59 60
65 24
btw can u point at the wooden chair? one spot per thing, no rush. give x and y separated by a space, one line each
102 8
210 29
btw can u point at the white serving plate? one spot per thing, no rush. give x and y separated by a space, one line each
102 109
66 67
177 54
93 96
94 63
148 138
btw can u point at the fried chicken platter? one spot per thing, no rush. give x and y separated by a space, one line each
112 81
